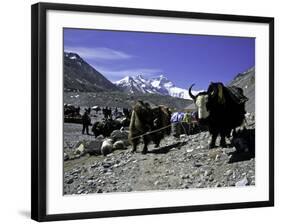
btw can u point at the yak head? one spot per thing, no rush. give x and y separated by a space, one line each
200 100
205 101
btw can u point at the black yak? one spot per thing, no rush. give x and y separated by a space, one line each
146 119
221 109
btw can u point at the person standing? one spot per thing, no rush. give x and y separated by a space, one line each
86 121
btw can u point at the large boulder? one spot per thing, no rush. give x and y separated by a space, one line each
106 147
119 145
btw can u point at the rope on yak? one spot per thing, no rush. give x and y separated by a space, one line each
160 129
151 132
179 144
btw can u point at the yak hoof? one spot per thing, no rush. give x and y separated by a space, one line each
212 145
144 151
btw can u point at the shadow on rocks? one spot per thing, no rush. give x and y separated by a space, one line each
166 149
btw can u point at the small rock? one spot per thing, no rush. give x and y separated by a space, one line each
183 136
106 165
99 190
90 181
218 185
114 182
185 176
94 165
80 150
76 171
207 173
228 173
197 164
199 147
77 156
116 165
195 173
65 157
217 157
70 181
242 182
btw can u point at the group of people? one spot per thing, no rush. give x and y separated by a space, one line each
107 115
184 123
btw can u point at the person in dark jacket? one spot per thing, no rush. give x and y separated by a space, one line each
86 121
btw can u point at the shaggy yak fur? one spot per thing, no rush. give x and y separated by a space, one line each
145 119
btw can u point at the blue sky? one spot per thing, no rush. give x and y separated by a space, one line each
184 59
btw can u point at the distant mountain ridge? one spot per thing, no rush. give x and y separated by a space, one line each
246 81
80 76
159 85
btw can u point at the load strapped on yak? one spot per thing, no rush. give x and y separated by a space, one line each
236 94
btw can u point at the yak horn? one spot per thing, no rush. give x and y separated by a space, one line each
190 93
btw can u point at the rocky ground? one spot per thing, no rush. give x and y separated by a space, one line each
176 164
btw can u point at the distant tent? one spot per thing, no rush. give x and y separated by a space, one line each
190 108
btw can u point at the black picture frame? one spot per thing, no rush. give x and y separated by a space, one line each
38 108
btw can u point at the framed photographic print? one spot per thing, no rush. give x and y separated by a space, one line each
139 111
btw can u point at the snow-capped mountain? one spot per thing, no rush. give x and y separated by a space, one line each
159 85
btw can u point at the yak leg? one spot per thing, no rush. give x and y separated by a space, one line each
222 141
145 142
156 141
213 141
135 143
